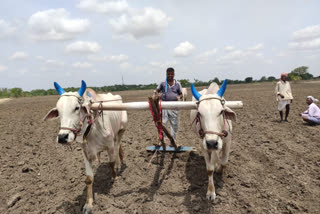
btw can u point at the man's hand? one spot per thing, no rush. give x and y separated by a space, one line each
300 114
281 95
291 101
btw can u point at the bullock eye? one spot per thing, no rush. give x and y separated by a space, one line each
77 108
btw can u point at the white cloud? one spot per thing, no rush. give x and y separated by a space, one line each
153 46
206 55
163 65
257 47
6 29
3 68
41 58
115 58
126 66
82 65
307 33
54 63
229 48
306 45
119 58
19 56
149 22
23 71
184 49
103 6
55 24
240 56
83 47
306 39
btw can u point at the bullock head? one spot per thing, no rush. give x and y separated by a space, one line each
70 110
213 115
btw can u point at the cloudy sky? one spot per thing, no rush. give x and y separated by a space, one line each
101 41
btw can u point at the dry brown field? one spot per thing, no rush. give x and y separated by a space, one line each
274 167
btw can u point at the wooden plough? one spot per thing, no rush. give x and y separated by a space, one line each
155 105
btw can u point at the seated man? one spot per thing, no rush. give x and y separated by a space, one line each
312 114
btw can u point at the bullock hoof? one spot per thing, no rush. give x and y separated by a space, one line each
220 169
211 196
87 209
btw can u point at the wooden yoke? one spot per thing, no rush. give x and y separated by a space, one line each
155 108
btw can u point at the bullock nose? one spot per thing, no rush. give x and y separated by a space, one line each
63 138
212 144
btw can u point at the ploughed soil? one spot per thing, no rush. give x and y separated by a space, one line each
273 168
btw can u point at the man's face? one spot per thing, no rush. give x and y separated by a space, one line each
170 75
283 78
308 101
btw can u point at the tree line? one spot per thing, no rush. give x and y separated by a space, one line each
300 73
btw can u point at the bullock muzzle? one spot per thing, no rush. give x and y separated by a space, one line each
212 144
63 138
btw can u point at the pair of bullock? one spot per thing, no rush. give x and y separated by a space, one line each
99 131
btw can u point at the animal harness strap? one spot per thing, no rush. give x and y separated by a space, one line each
157 118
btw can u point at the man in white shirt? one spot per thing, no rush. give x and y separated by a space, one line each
283 96
312 114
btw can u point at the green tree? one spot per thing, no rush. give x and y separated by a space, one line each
248 79
16 92
263 79
184 83
271 78
300 70
294 77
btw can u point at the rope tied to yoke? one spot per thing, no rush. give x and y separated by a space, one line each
157 117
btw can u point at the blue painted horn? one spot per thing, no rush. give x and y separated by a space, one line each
83 88
222 88
58 88
195 93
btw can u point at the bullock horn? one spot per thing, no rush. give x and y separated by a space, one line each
195 93
222 88
59 89
83 88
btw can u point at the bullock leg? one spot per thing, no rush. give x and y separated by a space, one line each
211 194
118 150
225 154
112 157
89 182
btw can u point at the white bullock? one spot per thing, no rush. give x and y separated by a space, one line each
184 94
212 123
94 130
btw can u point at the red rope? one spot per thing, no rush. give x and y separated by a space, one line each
157 118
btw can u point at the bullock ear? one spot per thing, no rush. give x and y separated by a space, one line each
52 114
85 109
229 114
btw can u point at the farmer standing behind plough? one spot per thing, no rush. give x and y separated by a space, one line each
284 96
170 91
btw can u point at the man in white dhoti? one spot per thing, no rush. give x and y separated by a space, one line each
283 96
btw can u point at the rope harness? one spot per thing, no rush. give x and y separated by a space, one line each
157 119
202 132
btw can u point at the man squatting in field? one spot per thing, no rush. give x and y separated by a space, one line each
283 96
312 114
170 90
